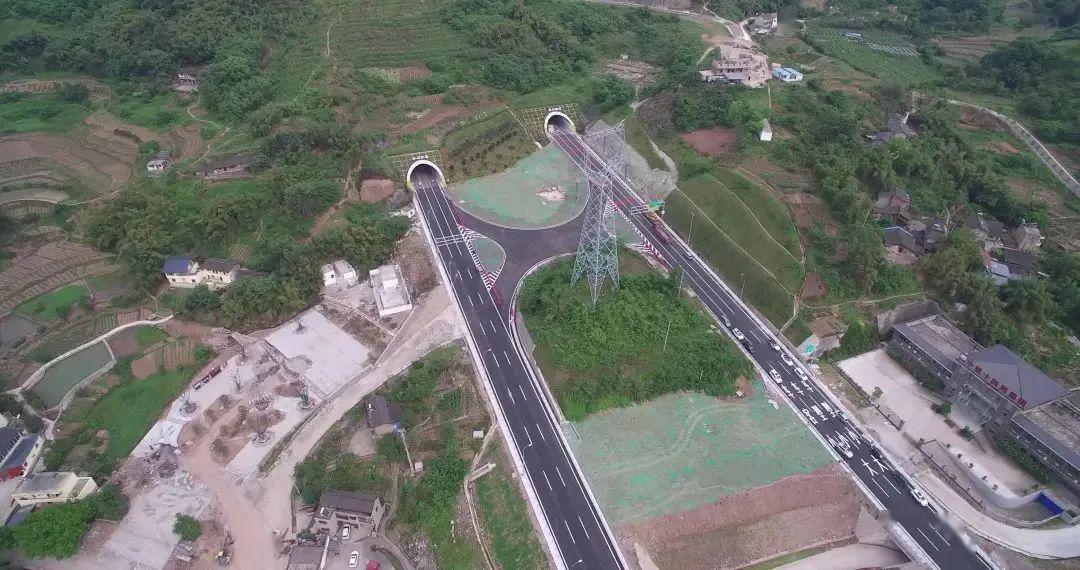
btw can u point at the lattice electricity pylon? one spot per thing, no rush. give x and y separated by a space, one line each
598 252
610 144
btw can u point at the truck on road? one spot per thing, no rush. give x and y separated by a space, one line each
657 225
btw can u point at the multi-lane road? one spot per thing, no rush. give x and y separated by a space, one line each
802 392
573 519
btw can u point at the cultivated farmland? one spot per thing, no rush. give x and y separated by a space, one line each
390 33
879 53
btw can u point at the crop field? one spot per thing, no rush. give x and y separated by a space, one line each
879 53
51 305
390 33
492 144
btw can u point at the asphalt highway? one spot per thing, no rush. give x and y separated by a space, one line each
801 390
571 515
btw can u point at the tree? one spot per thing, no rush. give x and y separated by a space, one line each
187 527
610 92
54 531
1028 300
984 318
73 92
948 271
201 300
310 197
203 354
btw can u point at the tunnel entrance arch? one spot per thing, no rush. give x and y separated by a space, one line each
557 118
418 166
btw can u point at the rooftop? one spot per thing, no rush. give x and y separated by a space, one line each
827 326
1017 375
383 412
45 482
1056 427
21 451
939 338
176 265
351 501
305 557
220 265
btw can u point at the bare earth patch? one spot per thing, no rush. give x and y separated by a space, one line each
1000 147
716 141
813 286
792 514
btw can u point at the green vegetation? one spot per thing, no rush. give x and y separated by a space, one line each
427 504
153 111
187 527
332 467
23 112
723 207
881 54
149 336
638 343
125 412
636 135
734 257
55 531
52 305
484 147
393 33
506 519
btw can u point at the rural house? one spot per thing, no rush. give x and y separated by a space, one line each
383 416
787 74
158 164
185 273
901 246
893 205
987 231
762 24
1027 237
52 487
1019 262
896 128
336 509
738 64
391 294
236 166
19 451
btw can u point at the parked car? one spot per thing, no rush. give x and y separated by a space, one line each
724 319
738 334
800 373
787 359
746 345
843 448
775 375
345 532
775 345
354 559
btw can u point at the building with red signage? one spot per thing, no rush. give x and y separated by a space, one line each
1006 394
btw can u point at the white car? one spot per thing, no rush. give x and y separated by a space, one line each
787 359
345 532
843 448
800 373
775 345
918 495
354 559
775 375
738 334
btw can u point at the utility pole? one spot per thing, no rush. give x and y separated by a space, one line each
666 333
690 232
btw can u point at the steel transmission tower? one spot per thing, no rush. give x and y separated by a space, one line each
598 252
